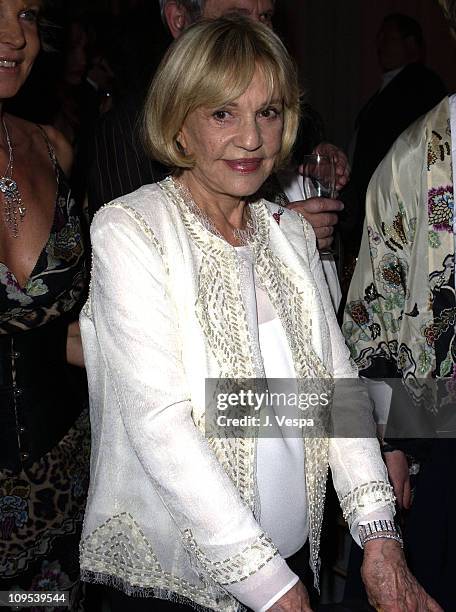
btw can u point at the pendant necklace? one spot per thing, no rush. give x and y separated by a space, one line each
14 210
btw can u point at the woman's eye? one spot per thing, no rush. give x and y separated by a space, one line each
221 115
270 113
29 15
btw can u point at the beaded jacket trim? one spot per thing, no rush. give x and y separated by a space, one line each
119 554
236 568
370 493
225 326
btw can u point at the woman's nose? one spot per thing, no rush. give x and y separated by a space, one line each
249 137
11 32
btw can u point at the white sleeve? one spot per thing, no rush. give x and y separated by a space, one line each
138 335
358 471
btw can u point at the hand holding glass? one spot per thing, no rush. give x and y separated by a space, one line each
319 180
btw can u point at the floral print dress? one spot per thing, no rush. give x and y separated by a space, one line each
44 433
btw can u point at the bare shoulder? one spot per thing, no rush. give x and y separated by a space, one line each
63 149
28 137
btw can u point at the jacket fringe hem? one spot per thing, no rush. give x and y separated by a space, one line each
139 591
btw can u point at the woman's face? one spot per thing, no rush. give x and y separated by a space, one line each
19 43
235 146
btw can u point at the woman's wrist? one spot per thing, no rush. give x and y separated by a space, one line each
379 530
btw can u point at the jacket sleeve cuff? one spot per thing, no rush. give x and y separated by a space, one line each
382 514
266 586
365 499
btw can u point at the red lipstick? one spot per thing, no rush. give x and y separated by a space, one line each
244 166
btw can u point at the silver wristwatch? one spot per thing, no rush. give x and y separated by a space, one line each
376 530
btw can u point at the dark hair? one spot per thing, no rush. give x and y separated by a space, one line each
408 27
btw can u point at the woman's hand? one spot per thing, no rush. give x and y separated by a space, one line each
389 584
398 472
74 353
294 600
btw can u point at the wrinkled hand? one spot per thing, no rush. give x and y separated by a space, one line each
389 584
398 472
294 600
341 162
321 214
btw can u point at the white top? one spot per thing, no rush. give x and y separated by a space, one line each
170 509
280 460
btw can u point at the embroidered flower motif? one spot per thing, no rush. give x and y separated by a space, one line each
13 289
51 578
440 208
390 322
374 237
13 514
359 312
36 288
66 244
391 273
398 226
80 481
430 333
434 240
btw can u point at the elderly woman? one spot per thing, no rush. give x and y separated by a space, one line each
194 279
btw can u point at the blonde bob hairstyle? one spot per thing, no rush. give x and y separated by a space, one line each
211 64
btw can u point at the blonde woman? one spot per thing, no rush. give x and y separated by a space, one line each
194 279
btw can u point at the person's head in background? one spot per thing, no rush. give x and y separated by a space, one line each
178 14
76 53
400 42
449 10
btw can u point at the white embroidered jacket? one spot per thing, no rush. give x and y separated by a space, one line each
171 513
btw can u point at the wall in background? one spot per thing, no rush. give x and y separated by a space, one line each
334 45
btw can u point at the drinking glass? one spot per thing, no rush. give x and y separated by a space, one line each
319 176
319 180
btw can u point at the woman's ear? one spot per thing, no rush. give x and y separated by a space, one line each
176 17
181 142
